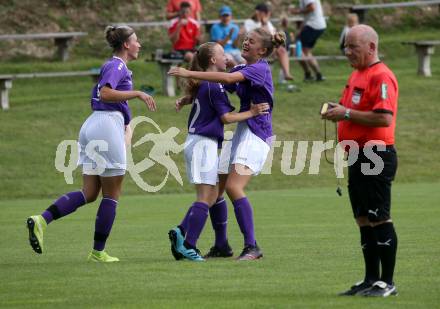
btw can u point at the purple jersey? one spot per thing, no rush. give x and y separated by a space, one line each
209 105
258 88
114 74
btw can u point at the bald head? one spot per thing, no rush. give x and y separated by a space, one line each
364 33
362 46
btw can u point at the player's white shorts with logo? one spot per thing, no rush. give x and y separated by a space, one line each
201 159
246 149
102 144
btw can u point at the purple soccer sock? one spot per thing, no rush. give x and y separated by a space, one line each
196 222
104 222
184 224
219 219
244 215
64 205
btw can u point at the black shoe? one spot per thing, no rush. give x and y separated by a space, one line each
320 78
358 289
250 253
381 289
308 78
216 252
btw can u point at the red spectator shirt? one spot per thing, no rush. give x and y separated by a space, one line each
373 89
174 6
188 34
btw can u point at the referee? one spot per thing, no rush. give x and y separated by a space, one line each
367 115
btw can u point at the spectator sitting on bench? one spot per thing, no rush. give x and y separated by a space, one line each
184 33
352 20
173 8
226 34
261 19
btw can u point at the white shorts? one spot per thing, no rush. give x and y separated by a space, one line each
102 144
246 149
201 159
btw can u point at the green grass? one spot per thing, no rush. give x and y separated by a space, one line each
310 243
45 112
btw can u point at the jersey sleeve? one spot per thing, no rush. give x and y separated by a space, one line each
112 74
383 93
219 99
255 73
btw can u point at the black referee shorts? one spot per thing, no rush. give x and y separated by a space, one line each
370 195
308 36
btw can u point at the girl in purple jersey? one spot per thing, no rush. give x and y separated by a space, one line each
102 141
251 142
211 109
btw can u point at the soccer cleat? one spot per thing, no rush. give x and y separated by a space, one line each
250 253
216 252
320 77
358 289
192 254
308 78
381 289
176 238
101 256
36 226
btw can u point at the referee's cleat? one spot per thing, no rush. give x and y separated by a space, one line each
176 239
101 256
358 289
36 226
381 289
216 252
192 254
250 253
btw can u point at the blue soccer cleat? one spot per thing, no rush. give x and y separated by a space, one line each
176 239
192 254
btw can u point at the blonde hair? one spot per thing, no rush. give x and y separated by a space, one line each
271 41
200 62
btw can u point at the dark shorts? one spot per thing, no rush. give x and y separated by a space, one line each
370 195
309 36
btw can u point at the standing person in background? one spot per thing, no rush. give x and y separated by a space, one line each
107 124
352 20
184 32
313 27
367 116
173 9
261 18
226 34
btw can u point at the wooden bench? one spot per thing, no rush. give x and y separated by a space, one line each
362 9
6 81
63 40
424 51
165 64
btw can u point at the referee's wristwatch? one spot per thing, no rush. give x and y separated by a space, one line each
347 114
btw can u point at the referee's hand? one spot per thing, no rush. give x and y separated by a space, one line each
335 112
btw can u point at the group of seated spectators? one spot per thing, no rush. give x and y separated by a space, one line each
185 33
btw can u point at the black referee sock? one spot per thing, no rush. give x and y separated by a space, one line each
371 253
387 244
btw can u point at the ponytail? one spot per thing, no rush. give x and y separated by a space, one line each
200 62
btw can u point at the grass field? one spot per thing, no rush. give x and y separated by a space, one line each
309 240
45 112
